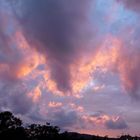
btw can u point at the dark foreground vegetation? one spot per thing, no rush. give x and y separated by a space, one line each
11 128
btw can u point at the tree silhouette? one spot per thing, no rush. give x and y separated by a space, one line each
42 131
11 127
8 121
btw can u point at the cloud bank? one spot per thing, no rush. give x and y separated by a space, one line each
59 30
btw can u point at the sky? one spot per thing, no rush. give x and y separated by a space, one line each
73 63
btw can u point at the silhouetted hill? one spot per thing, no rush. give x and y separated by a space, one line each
78 136
11 128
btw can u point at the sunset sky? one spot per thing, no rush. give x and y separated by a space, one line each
73 63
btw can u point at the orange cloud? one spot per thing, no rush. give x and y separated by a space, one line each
35 94
55 104
98 88
76 107
31 59
82 72
128 68
96 119
100 119
109 56
51 85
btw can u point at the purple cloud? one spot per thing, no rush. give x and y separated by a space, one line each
116 124
131 4
59 30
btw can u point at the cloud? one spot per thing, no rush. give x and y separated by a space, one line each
102 119
64 119
119 123
55 104
120 55
131 4
17 61
58 29
13 96
128 67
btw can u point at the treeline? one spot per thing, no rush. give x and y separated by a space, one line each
11 128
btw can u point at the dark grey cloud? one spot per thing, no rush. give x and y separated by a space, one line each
14 97
64 119
117 124
58 29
